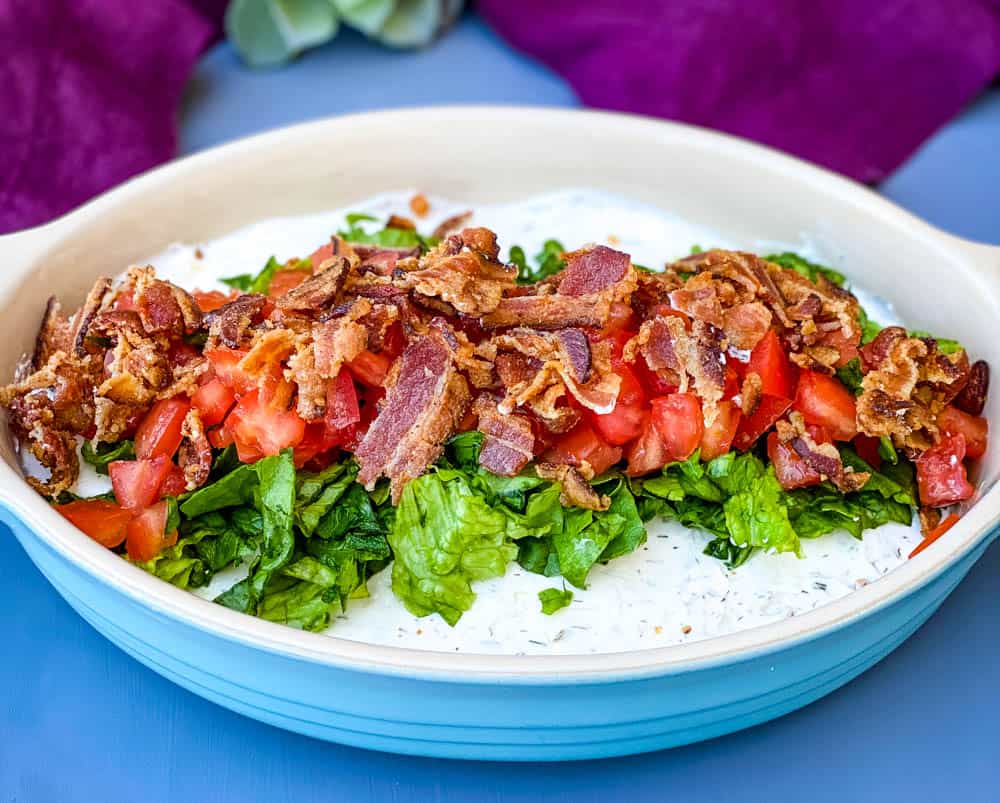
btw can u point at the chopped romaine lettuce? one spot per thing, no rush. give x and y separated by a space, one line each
554 599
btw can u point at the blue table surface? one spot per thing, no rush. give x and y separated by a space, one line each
81 721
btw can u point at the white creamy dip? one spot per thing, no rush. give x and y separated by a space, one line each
667 592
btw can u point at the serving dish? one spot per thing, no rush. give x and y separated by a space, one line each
508 707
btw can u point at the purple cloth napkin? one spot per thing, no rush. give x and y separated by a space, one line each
855 85
89 91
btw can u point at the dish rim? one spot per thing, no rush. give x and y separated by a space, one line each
40 520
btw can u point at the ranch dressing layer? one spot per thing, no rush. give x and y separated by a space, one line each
667 592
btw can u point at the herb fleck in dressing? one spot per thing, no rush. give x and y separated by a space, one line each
667 591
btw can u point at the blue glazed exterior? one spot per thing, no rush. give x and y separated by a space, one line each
550 721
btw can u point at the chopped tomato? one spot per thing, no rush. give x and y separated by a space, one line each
101 519
733 381
212 401
751 427
647 452
260 429
137 483
617 337
975 429
950 521
941 477
314 442
867 448
160 431
220 437
770 362
146 534
789 467
342 402
824 400
285 280
176 483
678 419
371 368
654 384
583 444
321 255
225 363
718 438
211 300
624 422
394 341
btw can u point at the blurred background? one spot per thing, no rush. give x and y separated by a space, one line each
95 91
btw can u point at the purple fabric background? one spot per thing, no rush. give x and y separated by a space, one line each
89 89
855 85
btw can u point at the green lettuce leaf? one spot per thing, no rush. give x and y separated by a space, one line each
235 489
445 536
548 262
105 453
554 599
385 237
254 283
276 476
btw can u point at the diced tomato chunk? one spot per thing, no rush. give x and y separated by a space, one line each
137 483
225 364
624 422
733 381
975 428
101 519
941 477
867 448
947 523
371 368
718 438
212 401
160 431
751 427
211 300
770 362
260 429
321 255
678 419
789 467
824 400
651 381
175 484
583 444
285 280
146 534
647 452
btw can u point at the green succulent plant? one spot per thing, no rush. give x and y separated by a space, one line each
269 33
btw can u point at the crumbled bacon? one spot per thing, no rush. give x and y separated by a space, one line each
509 442
448 225
463 271
230 325
422 408
575 490
560 359
164 308
823 458
319 290
195 453
909 382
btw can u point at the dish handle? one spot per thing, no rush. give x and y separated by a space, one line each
20 250
983 255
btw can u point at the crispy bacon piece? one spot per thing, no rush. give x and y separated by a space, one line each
53 334
683 358
463 271
593 270
560 357
195 453
823 458
448 225
422 408
164 308
95 301
972 398
509 442
319 290
230 325
909 382
545 312
745 325
575 490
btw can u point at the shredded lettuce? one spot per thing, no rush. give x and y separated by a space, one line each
386 237
548 262
105 453
803 266
254 283
554 599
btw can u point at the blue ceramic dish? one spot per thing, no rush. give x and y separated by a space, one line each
516 707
